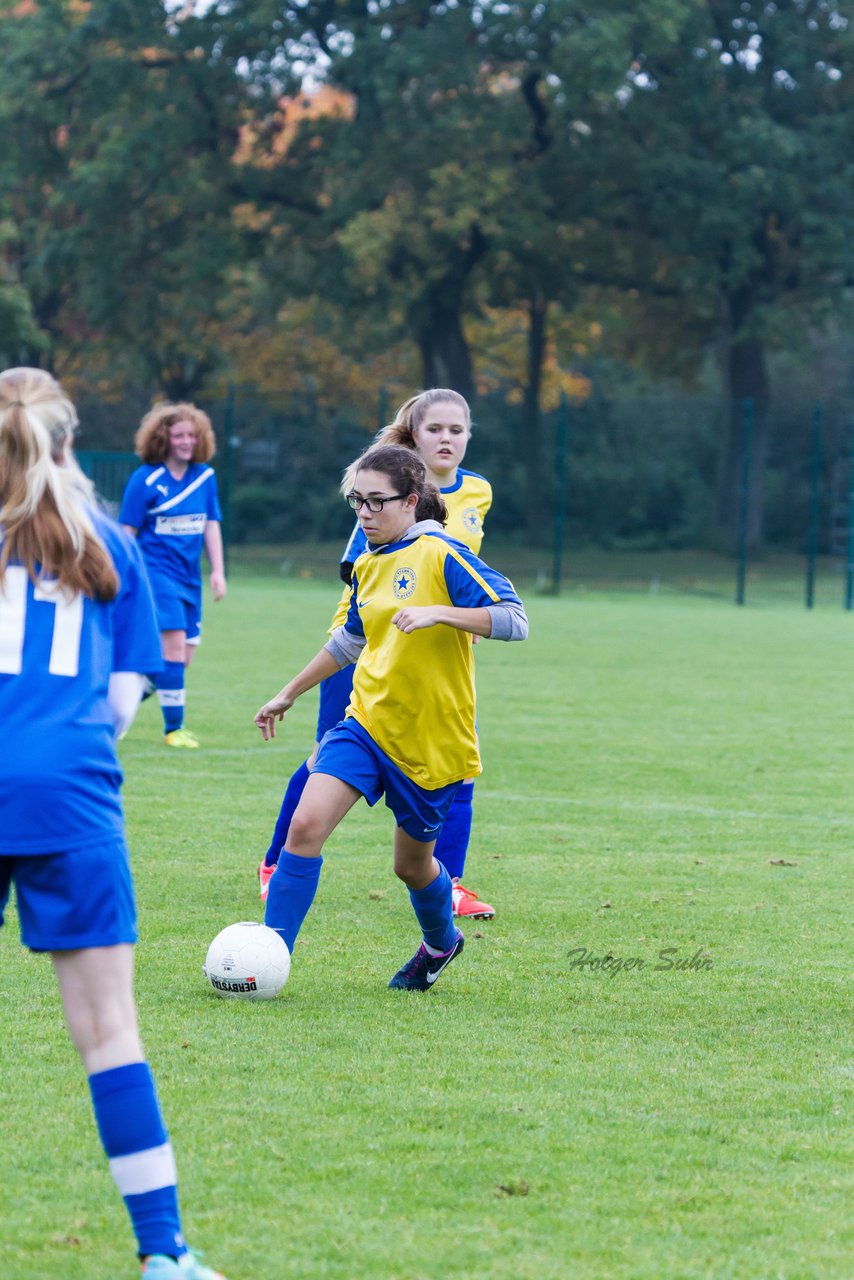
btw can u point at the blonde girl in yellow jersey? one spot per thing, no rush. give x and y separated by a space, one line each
416 599
437 424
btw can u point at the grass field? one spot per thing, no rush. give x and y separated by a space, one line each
663 772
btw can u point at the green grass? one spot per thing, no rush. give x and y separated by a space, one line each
649 758
772 579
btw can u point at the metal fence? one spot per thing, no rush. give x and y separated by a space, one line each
620 473
109 472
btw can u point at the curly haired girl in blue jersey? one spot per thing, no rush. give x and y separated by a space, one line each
417 598
171 504
77 627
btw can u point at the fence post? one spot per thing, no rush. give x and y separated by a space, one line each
849 559
744 512
227 471
815 481
560 491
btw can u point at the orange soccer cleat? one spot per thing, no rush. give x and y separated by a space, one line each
265 874
467 903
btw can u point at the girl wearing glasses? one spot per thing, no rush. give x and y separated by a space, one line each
436 423
77 628
416 598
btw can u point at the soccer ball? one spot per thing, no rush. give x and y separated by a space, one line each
247 961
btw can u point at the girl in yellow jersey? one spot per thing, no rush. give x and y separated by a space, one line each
437 423
416 598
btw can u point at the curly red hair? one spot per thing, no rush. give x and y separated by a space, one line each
151 442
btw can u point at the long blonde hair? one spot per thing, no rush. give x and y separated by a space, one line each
410 415
45 498
413 412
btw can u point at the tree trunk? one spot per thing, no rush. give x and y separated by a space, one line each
445 355
436 316
746 381
531 440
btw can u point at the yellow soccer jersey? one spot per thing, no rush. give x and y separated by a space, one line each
468 501
415 694
340 615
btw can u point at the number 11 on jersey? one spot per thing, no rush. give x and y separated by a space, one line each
67 624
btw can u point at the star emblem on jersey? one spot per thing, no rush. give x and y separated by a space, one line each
471 519
403 583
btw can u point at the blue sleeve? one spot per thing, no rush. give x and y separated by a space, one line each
136 640
473 584
353 621
214 511
356 544
134 505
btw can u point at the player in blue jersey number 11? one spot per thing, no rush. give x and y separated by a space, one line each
77 629
417 598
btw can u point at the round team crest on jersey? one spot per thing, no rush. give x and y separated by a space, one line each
471 519
403 583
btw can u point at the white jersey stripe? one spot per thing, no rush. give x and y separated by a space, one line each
13 613
185 493
154 475
144 1170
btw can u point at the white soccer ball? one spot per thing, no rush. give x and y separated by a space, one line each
247 961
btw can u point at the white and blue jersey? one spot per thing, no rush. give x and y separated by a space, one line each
59 774
171 516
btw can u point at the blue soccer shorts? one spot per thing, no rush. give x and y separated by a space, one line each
334 699
83 898
349 752
179 608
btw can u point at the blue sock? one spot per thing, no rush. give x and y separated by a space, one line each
291 893
434 908
294 791
453 842
134 1138
170 695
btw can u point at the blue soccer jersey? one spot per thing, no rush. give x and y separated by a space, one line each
59 774
171 516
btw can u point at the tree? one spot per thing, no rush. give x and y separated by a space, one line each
730 167
398 199
120 122
450 185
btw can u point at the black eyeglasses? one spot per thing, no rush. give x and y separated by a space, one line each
373 504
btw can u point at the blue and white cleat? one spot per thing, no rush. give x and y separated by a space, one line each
419 973
189 1267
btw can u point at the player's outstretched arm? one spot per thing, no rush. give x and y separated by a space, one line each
416 617
321 667
124 694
